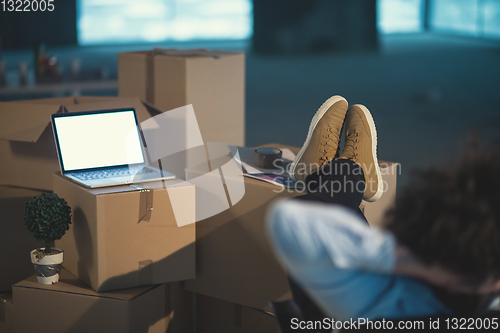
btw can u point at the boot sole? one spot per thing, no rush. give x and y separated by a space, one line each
317 117
373 133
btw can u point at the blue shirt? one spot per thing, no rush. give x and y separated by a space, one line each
344 265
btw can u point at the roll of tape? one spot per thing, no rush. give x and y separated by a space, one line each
267 158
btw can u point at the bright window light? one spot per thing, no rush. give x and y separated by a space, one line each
479 18
399 16
132 21
491 12
460 16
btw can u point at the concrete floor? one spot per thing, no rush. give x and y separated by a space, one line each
426 92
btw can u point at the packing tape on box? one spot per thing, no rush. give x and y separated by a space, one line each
145 203
146 272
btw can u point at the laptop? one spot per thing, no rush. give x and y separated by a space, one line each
102 148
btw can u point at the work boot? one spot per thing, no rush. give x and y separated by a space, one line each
361 147
322 142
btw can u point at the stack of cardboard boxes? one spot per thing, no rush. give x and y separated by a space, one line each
128 268
117 263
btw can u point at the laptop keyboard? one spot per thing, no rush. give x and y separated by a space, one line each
112 173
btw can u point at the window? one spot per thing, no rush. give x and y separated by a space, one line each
132 21
491 18
479 18
400 16
454 16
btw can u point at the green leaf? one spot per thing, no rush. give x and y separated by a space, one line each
47 217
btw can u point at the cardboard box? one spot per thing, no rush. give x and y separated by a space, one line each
71 306
16 241
213 82
6 314
215 315
234 260
179 307
375 211
182 309
27 148
117 241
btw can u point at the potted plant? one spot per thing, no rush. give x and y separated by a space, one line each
47 217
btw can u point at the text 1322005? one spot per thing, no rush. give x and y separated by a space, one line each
27 5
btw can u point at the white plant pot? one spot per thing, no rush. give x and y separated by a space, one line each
47 268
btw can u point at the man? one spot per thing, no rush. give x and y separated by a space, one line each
442 239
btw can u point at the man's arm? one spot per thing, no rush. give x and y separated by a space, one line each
406 263
306 234
338 259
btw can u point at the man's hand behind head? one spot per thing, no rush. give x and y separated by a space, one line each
408 264
450 220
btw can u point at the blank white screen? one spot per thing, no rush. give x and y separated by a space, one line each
98 140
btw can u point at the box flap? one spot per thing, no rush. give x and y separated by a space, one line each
94 99
140 54
68 283
17 192
24 121
193 53
118 103
35 114
54 101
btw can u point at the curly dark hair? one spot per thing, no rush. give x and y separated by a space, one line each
451 217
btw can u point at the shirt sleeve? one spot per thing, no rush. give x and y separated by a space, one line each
345 265
306 234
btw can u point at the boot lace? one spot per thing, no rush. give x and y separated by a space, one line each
351 146
328 144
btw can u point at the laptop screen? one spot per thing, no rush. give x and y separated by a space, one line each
98 140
